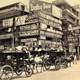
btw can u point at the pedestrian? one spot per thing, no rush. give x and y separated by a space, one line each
75 59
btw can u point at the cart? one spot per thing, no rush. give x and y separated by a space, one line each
13 62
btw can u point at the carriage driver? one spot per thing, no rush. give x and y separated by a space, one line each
26 50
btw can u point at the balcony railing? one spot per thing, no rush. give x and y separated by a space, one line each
71 13
51 34
12 10
6 36
70 19
28 33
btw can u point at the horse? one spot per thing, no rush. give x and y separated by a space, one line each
69 59
38 62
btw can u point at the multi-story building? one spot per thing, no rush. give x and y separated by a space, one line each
7 23
44 28
69 21
38 27
77 29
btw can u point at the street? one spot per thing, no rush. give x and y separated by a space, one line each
71 73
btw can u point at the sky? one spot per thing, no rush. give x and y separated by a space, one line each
6 2
72 2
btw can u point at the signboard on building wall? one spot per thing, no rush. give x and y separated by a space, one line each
28 27
50 19
1 47
29 40
42 37
26 19
7 22
6 36
37 5
57 12
43 26
28 33
20 20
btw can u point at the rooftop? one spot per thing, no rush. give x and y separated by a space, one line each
12 10
63 2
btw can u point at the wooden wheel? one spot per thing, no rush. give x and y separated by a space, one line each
6 72
57 66
28 71
47 65
19 70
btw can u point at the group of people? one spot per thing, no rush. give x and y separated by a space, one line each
39 49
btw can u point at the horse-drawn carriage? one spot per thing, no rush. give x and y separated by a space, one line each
47 58
57 59
19 62
13 62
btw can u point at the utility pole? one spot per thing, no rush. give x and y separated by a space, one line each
13 37
65 43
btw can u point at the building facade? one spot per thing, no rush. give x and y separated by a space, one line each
32 29
69 21
7 24
77 29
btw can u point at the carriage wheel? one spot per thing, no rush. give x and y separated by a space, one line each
6 72
39 67
47 65
57 66
28 71
65 64
18 72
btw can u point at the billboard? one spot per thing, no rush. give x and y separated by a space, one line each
57 12
37 5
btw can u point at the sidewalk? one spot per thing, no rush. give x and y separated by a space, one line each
70 73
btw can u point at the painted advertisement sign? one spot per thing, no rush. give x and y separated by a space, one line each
7 22
36 5
57 12
22 20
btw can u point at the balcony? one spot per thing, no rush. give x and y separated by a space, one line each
6 36
74 28
70 13
28 33
64 5
51 34
59 2
69 19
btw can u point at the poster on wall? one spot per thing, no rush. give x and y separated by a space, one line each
7 22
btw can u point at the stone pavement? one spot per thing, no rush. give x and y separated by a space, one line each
71 73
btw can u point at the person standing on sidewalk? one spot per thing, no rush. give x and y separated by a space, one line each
75 59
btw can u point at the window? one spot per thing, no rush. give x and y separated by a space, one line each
43 26
17 6
22 7
48 26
